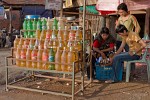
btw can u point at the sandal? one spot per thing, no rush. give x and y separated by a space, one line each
109 81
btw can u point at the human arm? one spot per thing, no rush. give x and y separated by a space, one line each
111 47
136 25
100 52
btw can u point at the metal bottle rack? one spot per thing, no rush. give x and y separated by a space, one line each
34 75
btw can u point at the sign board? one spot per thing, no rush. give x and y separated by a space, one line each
53 4
2 12
108 5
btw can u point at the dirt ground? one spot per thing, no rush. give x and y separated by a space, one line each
137 89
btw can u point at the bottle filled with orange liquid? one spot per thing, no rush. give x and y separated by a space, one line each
58 60
38 34
34 57
41 44
31 43
23 57
26 43
21 41
18 55
55 45
64 57
16 42
70 59
65 36
51 59
45 43
60 34
72 34
48 34
28 57
39 58
45 59
43 34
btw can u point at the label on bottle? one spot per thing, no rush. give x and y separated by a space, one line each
51 58
48 36
34 56
23 55
45 58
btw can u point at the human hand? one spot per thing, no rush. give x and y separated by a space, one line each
131 53
103 55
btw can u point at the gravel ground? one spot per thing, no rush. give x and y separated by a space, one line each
137 89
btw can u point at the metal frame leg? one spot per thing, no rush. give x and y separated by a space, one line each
6 64
128 68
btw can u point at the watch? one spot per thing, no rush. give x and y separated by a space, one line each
134 52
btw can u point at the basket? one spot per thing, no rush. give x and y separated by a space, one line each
103 72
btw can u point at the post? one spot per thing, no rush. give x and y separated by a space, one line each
147 21
61 11
10 23
84 14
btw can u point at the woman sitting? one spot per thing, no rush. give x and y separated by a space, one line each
136 44
103 45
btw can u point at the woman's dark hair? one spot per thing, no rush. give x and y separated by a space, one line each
105 30
120 29
122 6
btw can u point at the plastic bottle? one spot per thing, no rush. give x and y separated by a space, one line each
55 22
39 58
51 59
55 45
34 57
60 34
48 34
71 59
43 34
34 27
16 41
64 60
18 56
45 59
58 60
41 44
31 44
38 34
28 57
61 24
61 45
23 57
30 28
21 41
26 43
78 33
45 43
48 24
44 26
39 24
54 34
77 44
25 28
65 36
72 34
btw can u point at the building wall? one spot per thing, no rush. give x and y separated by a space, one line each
15 20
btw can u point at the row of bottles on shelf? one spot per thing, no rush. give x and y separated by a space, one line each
46 43
63 35
39 59
41 24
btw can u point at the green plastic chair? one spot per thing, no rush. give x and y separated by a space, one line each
142 60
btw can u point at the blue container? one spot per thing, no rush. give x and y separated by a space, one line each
32 16
103 72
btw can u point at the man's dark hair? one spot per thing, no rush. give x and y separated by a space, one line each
120 29
105 30
122 6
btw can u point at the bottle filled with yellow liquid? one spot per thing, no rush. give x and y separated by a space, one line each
51 59
39 58
45 59
28 58
58 60
23 57
34 57
70 59
18 56
64 57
